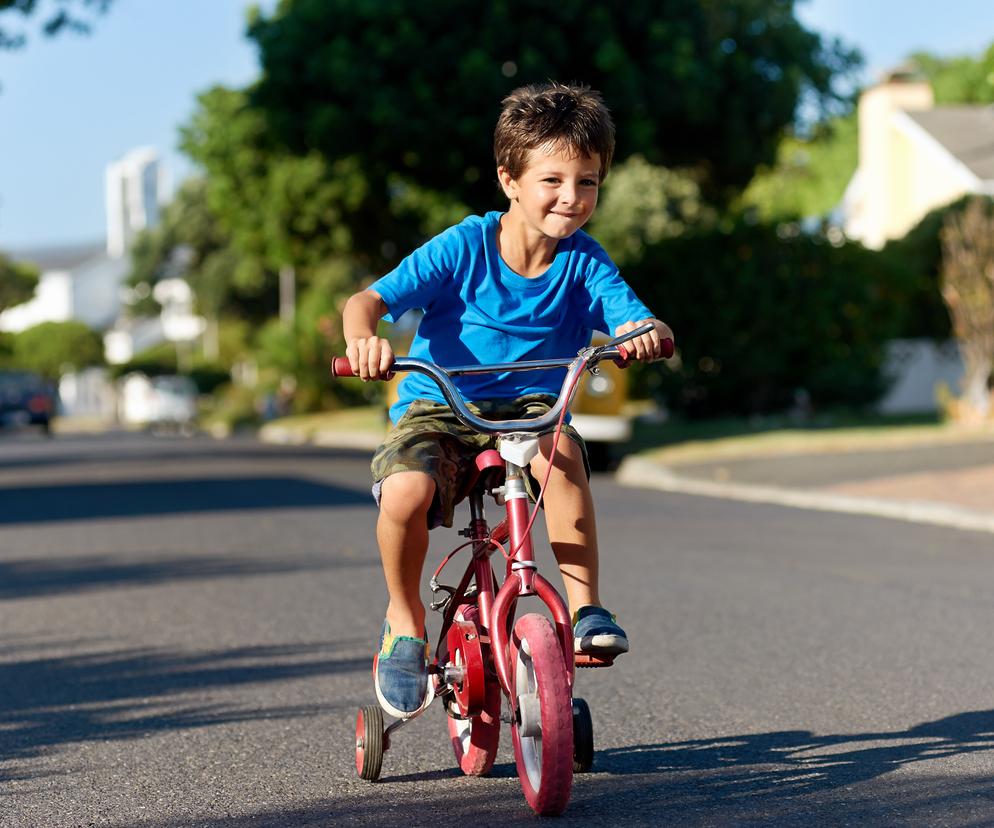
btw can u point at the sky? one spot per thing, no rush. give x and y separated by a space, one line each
69 105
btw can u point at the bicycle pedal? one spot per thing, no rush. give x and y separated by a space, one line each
587 660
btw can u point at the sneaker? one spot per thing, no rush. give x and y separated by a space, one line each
596 633
400 673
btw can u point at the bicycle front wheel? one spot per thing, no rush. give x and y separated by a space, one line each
542 732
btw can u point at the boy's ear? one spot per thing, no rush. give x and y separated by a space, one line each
507 184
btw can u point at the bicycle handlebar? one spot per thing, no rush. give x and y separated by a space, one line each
340 367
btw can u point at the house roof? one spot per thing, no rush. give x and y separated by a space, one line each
967 132
61 257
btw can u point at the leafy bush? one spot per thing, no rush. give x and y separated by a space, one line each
153 362
53 348
762 320
233 407
161 360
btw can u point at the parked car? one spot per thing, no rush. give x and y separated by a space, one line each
166 402
26 399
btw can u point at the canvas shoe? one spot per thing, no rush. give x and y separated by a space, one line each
596 632
400 674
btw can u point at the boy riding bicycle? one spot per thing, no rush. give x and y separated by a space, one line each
524 284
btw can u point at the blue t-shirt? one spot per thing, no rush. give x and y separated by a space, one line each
478 311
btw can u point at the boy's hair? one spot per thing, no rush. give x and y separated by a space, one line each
570 116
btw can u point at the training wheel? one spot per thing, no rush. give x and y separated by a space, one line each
369 742
583 737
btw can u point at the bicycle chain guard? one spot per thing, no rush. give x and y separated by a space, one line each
466 652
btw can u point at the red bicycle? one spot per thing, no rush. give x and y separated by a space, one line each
482 651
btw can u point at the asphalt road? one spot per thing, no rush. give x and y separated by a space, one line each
186 629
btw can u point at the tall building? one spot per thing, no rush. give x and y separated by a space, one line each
132 197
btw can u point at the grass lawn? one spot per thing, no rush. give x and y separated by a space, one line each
690 442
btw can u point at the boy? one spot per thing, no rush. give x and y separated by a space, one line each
525 284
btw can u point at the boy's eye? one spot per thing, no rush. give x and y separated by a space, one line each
551 180
589 182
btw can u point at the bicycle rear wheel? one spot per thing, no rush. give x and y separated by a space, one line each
542 732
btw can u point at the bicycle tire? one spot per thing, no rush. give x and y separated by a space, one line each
369 745
545 760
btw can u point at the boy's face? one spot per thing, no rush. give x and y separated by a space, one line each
557 192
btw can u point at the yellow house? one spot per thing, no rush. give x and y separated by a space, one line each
913 157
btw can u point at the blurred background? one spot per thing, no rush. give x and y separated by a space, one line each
190 191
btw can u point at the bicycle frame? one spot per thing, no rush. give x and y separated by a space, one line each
497 605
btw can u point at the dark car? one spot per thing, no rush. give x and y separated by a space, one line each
26 399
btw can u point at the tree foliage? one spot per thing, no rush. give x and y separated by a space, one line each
412 89
190 242
643 204
809 176
52 348
959 80
17 282
69 15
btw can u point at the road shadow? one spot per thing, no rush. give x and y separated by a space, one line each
111 450
800 761
144 498
946 800
31 578
127 694
790 778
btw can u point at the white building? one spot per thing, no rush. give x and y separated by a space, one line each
78 282
913 157
83 282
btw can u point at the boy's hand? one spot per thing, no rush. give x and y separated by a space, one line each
647 347
370 357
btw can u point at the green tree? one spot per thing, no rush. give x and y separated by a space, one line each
70 15
52 348
301 210
643 204
809 176
17 282
959 80
412 89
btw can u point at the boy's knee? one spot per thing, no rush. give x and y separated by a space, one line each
406 496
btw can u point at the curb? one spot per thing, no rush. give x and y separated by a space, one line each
636 471
320 437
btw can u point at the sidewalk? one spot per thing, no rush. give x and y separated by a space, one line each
945 479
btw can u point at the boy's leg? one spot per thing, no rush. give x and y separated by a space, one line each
402 533
569 517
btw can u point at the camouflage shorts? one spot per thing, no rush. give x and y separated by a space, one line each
430 439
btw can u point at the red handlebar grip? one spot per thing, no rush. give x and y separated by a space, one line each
340 367
666 347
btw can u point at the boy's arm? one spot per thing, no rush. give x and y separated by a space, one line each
647 347
369 355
